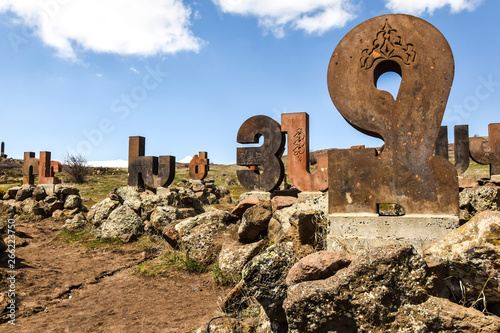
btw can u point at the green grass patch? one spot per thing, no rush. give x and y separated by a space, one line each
176 260
220 278
87 239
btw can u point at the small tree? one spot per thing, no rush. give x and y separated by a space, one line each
76 168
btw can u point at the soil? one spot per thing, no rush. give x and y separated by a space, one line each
69 288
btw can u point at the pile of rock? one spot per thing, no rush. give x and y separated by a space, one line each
126 211
391 288
205 190
43 201
474 198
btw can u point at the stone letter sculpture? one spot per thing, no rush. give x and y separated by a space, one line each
296 125
267 156
30 168
405 172
199 166
47 169
43 167
491 157
148 170
461 146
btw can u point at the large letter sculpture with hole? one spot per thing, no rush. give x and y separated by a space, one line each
266 168
405 172
148 170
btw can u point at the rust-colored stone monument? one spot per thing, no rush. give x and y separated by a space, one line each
2 150
491 157
296 126
43 167
461 153
266 170
199 166
30 168
405 172
151 171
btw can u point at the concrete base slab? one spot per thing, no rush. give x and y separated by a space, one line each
357 232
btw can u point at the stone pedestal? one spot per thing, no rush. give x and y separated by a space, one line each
354 232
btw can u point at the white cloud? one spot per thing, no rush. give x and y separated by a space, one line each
421 6
126 27
313 16
133 69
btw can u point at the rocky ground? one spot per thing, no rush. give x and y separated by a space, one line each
66 288
173 260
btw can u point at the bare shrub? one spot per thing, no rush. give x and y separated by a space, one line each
75 166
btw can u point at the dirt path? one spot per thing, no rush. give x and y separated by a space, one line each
67 288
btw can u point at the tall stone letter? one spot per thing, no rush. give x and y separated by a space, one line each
148 170
199 166
406 172
266 168
296 125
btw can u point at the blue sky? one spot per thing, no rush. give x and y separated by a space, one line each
81 76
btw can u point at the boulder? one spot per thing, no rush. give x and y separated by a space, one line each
304 223
264 278
61 191
280 202
54 206
441 315
24 193
99 212
364 296
122 220
148 205
50 199
160 218
318 265
255 220
72 201
39 193
200 235
28 206
129 196
12 192
234 255
243 205
78 222
475 200
471 256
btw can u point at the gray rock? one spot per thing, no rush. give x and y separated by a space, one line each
366 295
470 256
160 218
24 193
475 200
39 193
78 222
11 192
99 212
128 193
265 277
122 220
72 201
148 205
54 206
61 191
254 221
199 235
234 255
28 206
